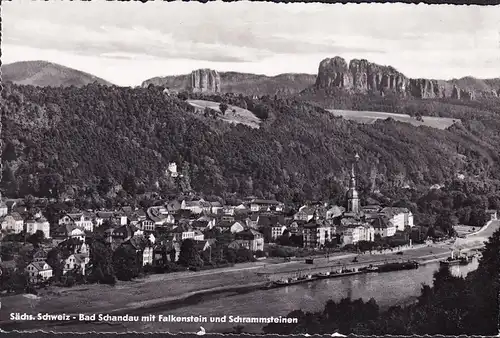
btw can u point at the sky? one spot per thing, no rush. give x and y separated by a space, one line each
129 42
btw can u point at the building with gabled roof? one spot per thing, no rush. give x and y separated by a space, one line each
143 247
400 217
250 239
38 271
34 225
232 226
316 233
383 226
12 223
69 230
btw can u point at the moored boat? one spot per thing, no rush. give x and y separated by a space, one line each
387 267
323 274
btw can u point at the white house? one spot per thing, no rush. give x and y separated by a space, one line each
38 271
70 231
250 239
32 226
13 223
354 233
384 227
232 226
305 214
400 217
196 207
76 260
316 234
81 220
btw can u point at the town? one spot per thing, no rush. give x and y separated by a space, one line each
194 234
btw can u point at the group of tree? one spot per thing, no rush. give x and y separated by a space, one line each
96 140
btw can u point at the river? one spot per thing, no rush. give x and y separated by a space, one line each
394 288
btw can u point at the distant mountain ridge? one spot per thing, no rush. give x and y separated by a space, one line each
243 83
47 74
359 76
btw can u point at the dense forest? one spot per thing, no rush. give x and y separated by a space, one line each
452 306
98 141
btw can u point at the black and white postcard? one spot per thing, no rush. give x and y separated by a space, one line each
250 167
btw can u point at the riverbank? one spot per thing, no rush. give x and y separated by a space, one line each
157 290
177 288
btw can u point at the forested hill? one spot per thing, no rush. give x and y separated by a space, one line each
65 140
43 73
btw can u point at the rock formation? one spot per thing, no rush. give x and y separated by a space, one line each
204 81
364 76
360 76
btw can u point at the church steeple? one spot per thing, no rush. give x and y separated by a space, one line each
352 193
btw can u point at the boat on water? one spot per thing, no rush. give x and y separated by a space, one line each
369 268
387 267
452 260
292 281
322 274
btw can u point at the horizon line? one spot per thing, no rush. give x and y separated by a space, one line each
239 72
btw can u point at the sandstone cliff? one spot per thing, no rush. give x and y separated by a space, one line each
367 77
204 81
360 76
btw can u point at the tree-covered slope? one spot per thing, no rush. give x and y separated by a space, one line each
62 140
43 73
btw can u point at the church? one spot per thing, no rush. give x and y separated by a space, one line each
354 223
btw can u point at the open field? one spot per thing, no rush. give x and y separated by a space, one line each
233 114
369 117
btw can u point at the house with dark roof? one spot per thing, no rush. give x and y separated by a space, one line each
383 226
116 236
265 205
233 227
305 213
252 220
38 271
39 255
166 252
316 234
400 217
215 208
12 223
143 248
70 230
80 219
250 239
75 261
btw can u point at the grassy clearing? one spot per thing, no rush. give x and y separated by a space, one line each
233 114
370 117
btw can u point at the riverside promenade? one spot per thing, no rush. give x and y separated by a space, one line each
157 290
